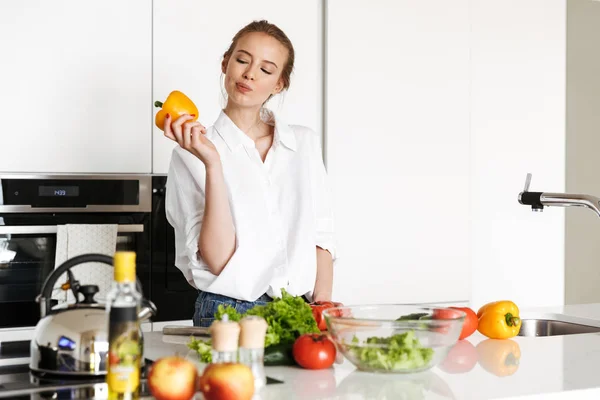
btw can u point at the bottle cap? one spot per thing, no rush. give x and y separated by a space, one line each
253 331
124 265
225 334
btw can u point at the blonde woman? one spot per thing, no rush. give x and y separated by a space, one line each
248 197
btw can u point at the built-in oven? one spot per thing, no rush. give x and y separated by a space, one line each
33 207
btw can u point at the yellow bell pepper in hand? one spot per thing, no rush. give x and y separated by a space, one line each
499 320
176 105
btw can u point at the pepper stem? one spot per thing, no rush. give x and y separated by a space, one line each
512 321
158 104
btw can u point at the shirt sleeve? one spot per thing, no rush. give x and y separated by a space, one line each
185 199
325 227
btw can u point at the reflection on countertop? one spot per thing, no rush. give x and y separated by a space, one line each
477 368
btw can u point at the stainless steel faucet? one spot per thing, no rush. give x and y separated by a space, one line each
538 200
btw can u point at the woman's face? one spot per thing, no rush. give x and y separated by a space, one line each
253 72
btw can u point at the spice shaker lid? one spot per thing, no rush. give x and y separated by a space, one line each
253 331
224 334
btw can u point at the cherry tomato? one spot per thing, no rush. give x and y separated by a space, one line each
314 351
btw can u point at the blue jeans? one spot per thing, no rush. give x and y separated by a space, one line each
207 304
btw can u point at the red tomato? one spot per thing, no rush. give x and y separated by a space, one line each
317 310
314 351
469 326
471 322
460 359
444 313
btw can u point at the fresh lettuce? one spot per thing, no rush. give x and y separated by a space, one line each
288 317
398 352
202 347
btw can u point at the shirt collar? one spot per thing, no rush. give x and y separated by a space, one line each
235 137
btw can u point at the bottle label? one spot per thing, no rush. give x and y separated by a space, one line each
124 350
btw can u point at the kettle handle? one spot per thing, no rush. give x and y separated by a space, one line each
46 294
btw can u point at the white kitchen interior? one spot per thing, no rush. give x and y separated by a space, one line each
431 114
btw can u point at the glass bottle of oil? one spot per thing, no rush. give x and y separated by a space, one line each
124 341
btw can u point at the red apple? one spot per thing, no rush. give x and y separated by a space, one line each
173 378
227 381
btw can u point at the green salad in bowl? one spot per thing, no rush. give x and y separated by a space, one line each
394 338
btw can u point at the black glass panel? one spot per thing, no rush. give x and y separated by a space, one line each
171 293
69 193
26 260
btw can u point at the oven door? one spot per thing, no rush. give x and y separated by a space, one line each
28 250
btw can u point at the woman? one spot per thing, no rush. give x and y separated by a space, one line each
248 197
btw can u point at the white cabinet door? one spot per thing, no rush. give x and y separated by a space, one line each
190 38
518 66
76 86
397 148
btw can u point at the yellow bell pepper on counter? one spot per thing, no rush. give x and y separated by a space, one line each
499 320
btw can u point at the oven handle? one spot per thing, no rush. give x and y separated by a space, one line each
46 229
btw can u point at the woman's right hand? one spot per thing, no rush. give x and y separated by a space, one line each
190 135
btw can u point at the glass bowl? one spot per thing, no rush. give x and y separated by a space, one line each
394 338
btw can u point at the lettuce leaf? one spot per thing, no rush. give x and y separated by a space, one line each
288 317
398 352
202 347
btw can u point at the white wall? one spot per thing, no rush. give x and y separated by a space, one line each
582 267
398 149
517 126
191 36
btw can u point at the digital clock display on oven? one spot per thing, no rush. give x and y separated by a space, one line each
59 191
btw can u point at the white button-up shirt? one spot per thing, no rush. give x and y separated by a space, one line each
281 211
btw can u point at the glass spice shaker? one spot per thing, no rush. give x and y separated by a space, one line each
224 338
252 347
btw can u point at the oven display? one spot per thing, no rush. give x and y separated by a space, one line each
59 191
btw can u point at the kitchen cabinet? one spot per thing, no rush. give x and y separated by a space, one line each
518 61
76 86
190 37
451 104
397 149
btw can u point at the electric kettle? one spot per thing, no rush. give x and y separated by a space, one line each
72 339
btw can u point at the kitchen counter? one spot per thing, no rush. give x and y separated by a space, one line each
554 367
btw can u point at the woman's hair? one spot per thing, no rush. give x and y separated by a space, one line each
276 33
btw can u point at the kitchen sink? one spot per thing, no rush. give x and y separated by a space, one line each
548 327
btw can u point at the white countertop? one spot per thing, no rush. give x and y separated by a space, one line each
554 367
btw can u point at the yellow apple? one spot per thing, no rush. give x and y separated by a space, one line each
227 381
173 378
